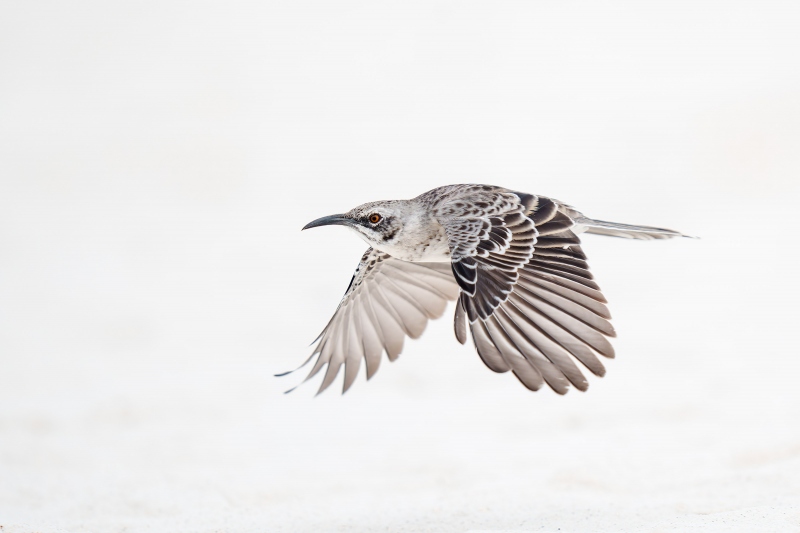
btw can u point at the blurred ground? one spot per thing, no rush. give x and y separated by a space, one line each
157 161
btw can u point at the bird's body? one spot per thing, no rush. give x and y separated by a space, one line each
512 260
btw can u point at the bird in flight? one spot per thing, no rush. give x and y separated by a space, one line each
512 261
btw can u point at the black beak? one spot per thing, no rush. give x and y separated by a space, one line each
329 221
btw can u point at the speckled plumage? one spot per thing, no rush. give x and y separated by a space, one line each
512 260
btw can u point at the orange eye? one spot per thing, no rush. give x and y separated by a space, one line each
374 218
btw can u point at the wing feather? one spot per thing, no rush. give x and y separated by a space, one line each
425 300
515 357
532 340
370 337
387 300
487 349
355 351
530 281
411 318
392 333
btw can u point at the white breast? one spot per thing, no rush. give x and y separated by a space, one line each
426 244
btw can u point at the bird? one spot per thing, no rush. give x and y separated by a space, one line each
512 262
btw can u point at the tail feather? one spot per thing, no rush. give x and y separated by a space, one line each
628 231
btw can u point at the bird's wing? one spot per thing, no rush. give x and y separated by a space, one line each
526 291
387 299
491 238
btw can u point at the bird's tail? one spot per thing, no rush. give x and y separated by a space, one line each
627 231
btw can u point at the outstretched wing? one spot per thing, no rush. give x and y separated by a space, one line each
527 293
387 299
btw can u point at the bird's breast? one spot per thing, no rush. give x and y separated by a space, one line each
422 246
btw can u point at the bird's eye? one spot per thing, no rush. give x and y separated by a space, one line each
374 218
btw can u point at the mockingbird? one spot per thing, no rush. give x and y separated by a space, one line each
512 261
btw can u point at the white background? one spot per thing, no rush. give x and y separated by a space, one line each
158 159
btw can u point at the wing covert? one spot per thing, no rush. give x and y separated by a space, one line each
491 239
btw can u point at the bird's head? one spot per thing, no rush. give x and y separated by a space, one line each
380 224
